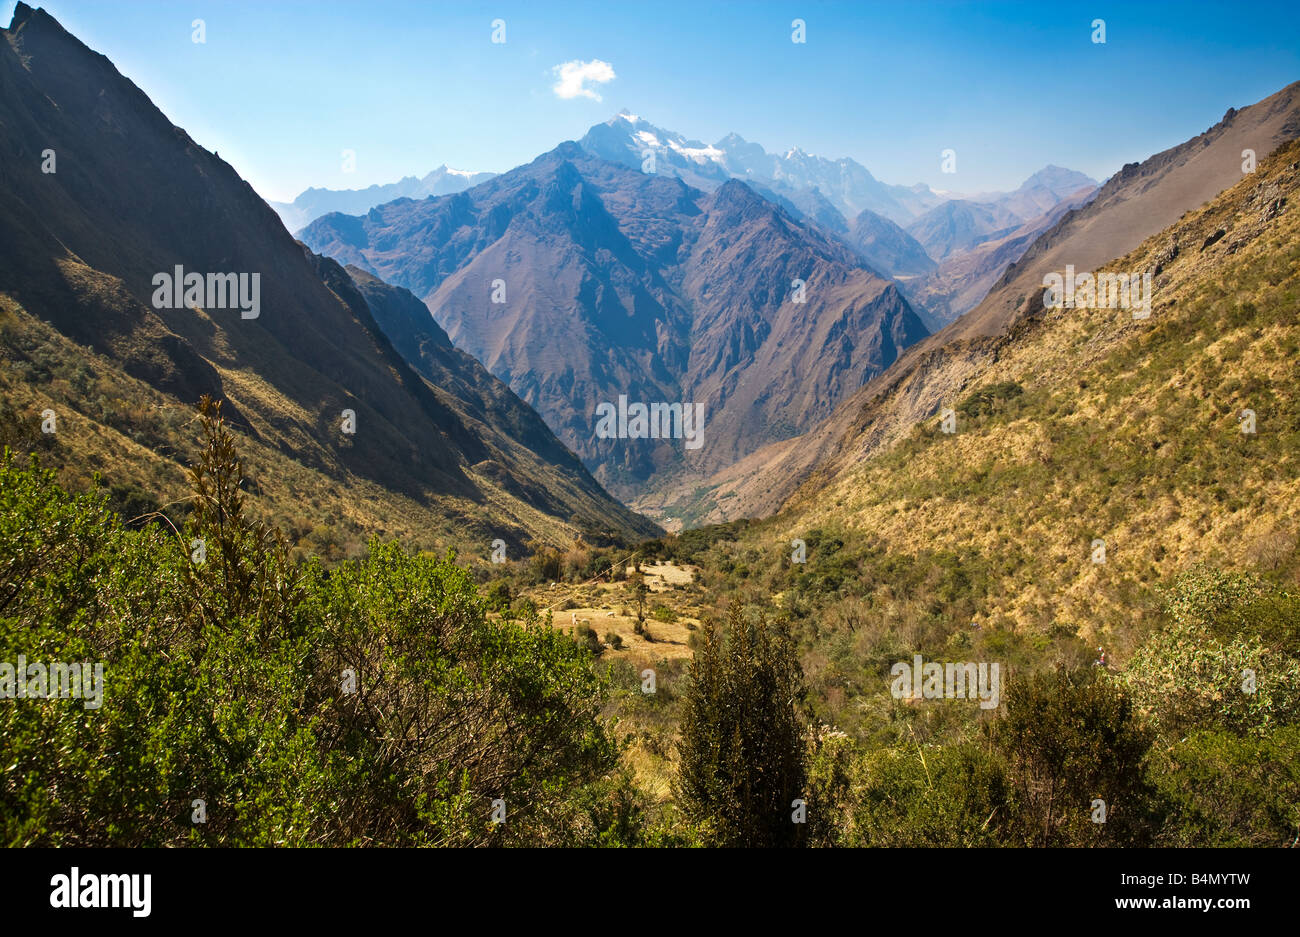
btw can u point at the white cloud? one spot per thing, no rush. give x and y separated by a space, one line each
572 78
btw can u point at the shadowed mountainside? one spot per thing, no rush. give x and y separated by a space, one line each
131 196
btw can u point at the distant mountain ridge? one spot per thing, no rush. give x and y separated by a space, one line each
805 182
904 232
961 224
974 239
958 225
844 183
1041 192
314 202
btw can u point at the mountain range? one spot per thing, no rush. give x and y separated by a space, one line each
840 196
314 202
639 263
579 280
843 183
1135 204
477 325
977 241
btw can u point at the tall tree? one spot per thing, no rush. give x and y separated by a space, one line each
743 744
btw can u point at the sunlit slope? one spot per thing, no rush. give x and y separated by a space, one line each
1089 425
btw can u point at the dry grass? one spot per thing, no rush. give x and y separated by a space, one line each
1126 431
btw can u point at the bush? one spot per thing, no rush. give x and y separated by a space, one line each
1213 667
1221 789
587 637
742 748
499 596
953 796
1202 595
989 399
1068 739
1184 678
371 704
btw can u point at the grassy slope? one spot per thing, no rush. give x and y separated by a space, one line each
139 439
1087 424
1123 430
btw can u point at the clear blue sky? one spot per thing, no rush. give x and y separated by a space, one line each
281 87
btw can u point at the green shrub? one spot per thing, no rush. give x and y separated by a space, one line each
1070 739
660 612
371 704
1221 789
499 596
946 796
989 399
587 637
1220 663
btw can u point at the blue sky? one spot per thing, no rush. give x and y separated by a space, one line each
282 87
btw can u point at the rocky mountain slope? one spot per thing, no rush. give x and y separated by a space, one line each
937 369
579 280
887 248
126 199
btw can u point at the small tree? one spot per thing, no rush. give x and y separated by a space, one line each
639 589
247 573
743 744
